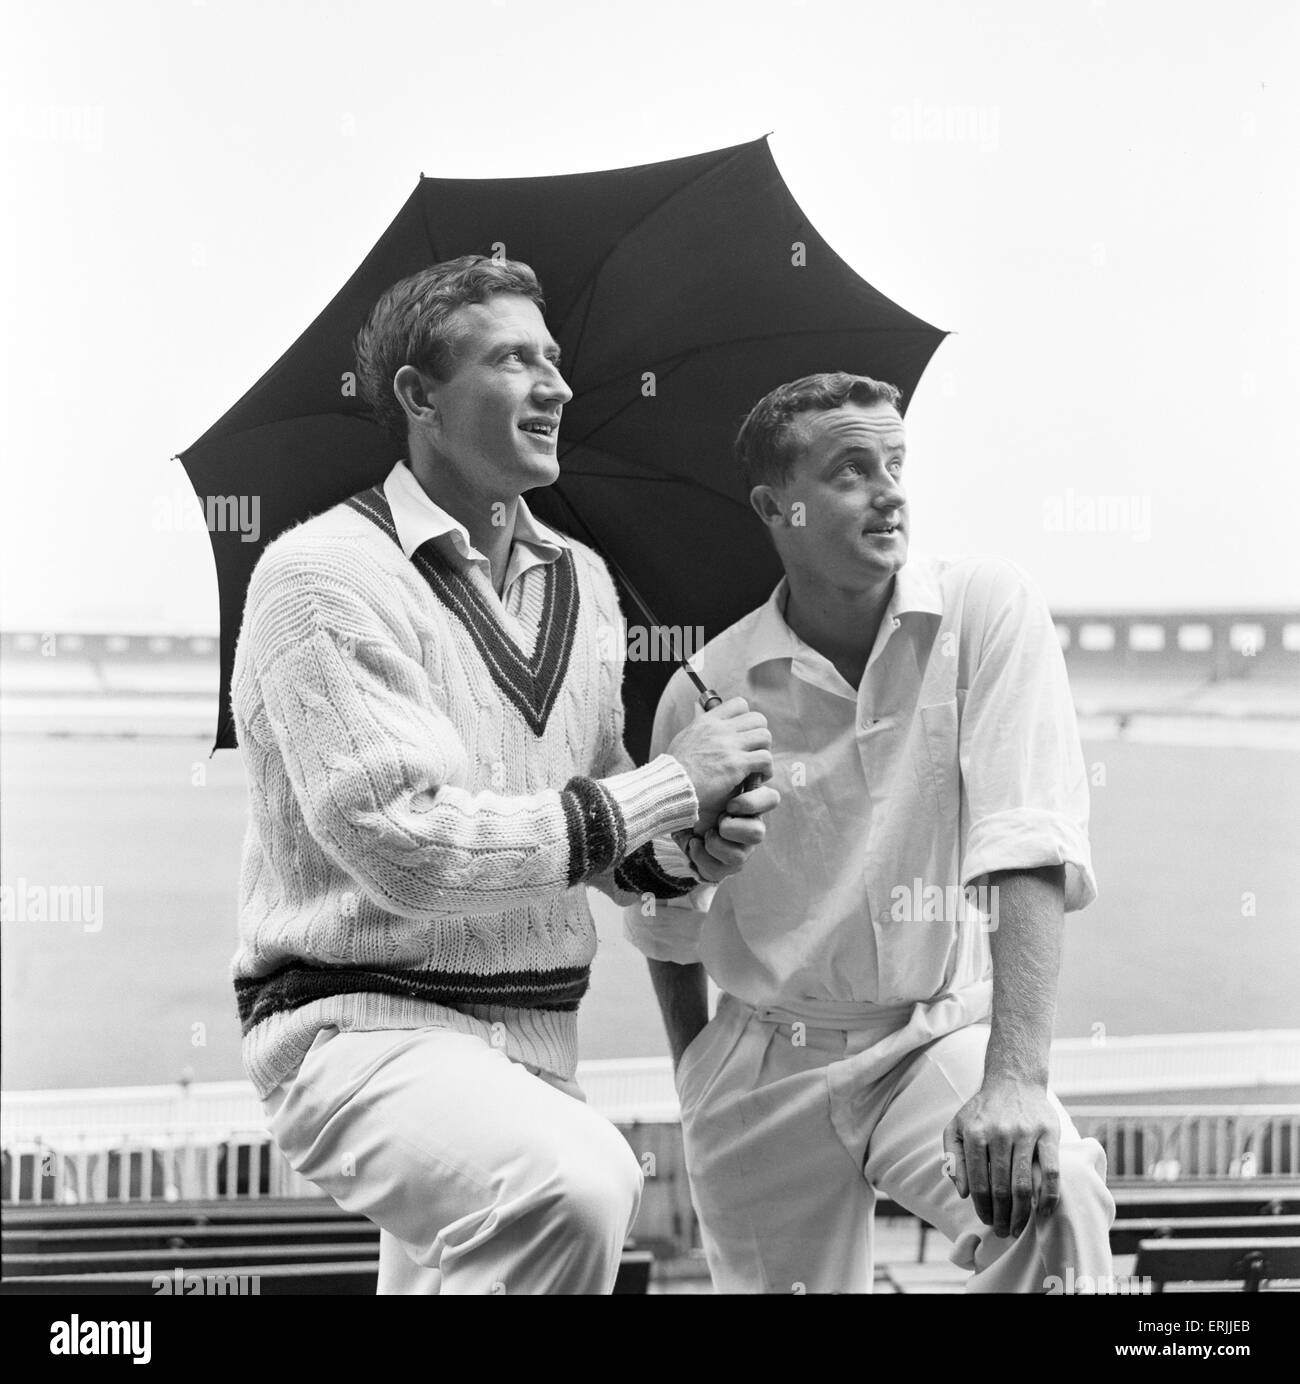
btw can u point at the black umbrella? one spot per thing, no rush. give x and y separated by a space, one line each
679 292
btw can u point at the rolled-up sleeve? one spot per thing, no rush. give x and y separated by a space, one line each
669 929
1024 785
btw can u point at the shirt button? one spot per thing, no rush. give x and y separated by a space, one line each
897 622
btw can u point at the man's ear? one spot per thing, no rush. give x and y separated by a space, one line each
766 505
412 390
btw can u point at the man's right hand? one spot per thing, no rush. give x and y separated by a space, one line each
719 750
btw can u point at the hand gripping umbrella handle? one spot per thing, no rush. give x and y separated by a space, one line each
708 700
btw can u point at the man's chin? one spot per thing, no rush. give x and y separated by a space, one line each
533 472
887 557
540 476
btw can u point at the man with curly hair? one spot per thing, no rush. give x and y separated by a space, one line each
432 726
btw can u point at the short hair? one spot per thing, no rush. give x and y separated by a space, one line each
413 323
763 448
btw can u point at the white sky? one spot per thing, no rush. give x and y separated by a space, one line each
1099 198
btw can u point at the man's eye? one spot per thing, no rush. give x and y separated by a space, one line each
518 355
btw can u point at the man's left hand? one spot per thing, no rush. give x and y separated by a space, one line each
724 849
1002 1149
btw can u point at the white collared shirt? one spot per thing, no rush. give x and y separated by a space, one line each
418 519
957 755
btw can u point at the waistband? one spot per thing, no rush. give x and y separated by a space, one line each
842 1014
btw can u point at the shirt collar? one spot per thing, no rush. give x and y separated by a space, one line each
417 519
916 591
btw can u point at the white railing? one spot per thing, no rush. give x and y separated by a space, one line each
101 1166
141 1143
209 1140
177 1168
1142 1143
1181 1144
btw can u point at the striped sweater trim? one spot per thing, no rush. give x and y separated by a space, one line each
641 873
597 831
530 684
299 983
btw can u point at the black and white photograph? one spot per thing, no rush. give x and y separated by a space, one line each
652 651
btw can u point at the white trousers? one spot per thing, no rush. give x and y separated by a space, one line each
483 1176
791 1133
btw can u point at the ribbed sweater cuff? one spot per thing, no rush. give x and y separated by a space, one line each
656 799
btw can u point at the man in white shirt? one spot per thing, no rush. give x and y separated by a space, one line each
888 961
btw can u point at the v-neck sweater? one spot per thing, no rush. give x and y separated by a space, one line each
432 784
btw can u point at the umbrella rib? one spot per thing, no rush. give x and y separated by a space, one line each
682 360
656 478
656 473
694 351
604 553
291 418
664 478
660 478
428 233
636 226
618 412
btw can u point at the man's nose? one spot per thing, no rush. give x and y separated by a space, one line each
890 495
551 386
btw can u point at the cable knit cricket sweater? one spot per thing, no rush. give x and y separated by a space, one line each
432 782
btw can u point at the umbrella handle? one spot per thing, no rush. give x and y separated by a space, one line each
708 700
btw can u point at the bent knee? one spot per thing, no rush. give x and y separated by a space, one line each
1083 1187
590 1189
601 1189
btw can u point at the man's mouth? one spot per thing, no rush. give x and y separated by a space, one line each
884 529
541 427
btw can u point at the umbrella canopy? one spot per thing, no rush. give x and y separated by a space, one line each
679 293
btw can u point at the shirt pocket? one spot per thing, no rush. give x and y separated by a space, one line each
941 767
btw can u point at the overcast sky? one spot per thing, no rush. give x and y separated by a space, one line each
1099 199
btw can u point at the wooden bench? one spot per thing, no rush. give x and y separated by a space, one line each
97 1240
137 1213
1126 1235
356 1277
165 1260
124 1247
1237 1196
1218 1261
1149 1210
